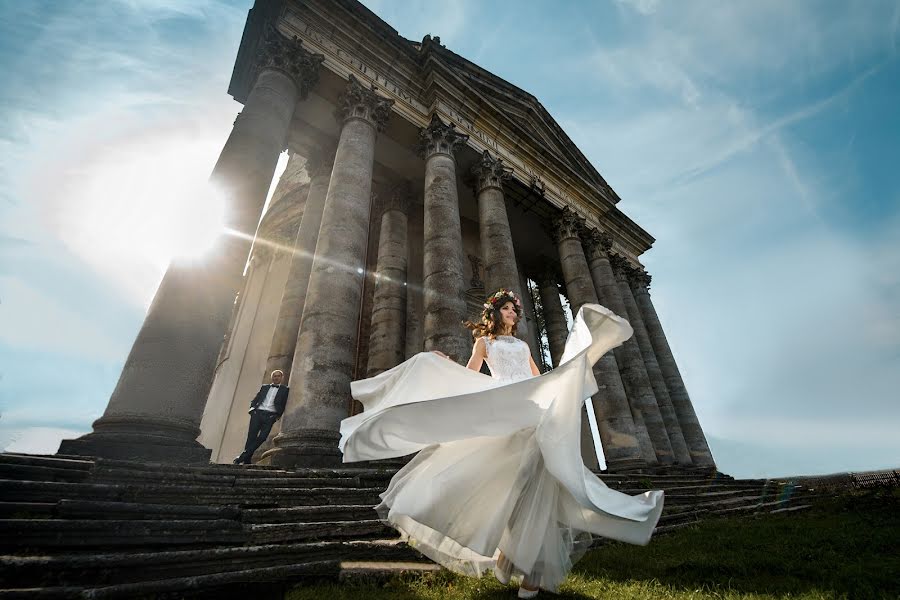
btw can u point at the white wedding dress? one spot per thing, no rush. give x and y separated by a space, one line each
499 463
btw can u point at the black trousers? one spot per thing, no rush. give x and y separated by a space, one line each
261 422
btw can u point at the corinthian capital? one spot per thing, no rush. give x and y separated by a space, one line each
639 280
439 138
621 267
278 53
357 102
566 225
489 172
597 244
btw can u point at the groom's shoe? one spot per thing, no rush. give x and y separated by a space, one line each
241 460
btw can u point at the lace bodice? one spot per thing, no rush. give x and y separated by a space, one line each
508 358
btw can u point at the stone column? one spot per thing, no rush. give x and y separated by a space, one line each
622 271
281 355
442 274
617 429
387 341
628 355
324 356
155 410
497 251
554 315
684 409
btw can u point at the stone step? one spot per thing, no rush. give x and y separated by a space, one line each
46 491
89 509
27 510
19 534
54 461
370 572
41 473
129 567
273 578
294 514
267 533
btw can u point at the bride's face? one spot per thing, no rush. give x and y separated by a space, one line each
508 314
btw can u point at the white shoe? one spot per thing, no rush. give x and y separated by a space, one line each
501 576
523 593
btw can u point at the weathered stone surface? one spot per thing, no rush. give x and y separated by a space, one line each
614 419
687 417
628 355
324 355
442 275
387 341
155 410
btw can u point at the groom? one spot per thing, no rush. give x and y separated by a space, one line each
266 408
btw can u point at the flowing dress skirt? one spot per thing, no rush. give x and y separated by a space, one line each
499 467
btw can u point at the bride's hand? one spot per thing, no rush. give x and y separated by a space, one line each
441 354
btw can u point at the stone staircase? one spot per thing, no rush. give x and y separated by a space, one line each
72 527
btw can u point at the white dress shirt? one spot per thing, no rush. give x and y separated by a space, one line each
268 402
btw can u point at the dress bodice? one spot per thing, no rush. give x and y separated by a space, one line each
508 358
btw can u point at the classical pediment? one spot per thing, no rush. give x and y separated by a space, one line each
519 110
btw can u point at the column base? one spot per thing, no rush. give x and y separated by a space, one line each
142 439
305 448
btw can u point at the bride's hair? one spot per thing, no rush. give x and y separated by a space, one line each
491 324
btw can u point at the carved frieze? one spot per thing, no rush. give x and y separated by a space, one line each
280 53
439 138
359 102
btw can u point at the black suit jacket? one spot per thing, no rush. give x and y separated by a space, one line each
280 398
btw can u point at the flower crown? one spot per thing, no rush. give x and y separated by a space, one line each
494 300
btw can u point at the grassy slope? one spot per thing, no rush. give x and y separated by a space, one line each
845 548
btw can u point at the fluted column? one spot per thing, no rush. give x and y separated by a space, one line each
628 355
155 410
682 454
442 273
387 341
284 340
614 420
684 409
488 175
324 356
554 317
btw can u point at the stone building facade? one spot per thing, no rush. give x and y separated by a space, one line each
417 183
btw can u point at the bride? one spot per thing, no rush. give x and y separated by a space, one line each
498 482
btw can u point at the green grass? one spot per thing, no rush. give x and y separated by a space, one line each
848 547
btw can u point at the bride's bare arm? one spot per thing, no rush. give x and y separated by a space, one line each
478 354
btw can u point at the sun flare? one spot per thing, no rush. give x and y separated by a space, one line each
141 205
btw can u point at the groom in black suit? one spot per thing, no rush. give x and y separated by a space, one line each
265 408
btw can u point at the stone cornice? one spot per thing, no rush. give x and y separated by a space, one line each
489 172
439 138
358 102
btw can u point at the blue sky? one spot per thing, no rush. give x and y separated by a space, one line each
757 141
